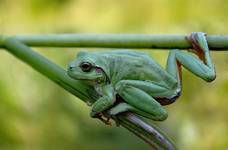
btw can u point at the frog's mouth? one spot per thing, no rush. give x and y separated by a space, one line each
98 75
79 76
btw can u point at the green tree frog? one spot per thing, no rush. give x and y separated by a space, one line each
141 82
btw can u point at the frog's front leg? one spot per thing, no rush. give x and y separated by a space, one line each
104 102
135 94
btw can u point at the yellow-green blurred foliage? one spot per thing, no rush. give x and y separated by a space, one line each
37 114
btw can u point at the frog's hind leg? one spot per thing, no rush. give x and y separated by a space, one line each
139 102
124 107
202 66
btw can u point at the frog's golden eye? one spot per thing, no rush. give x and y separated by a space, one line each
86 66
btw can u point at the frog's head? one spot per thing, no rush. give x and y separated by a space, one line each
84 67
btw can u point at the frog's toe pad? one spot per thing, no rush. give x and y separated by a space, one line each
95 114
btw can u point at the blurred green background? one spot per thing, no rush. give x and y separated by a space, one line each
37 114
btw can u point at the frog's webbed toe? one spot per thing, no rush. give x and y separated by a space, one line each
106 120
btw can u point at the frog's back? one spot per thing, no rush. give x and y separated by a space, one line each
130 65
126 53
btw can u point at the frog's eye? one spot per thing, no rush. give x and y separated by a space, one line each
85 66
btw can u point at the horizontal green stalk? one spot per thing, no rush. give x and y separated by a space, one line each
118 41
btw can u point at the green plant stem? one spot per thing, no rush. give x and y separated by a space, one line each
118 41
149 134
48 69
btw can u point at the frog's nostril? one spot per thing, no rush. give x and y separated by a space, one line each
71 67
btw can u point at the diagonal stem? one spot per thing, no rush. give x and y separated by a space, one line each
155 138
147 132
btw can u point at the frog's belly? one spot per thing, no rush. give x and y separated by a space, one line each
168 100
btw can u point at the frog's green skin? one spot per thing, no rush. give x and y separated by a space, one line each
141 82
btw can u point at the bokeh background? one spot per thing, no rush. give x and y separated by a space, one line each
36 114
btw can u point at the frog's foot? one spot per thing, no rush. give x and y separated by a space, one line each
103 118
117 110
199 43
